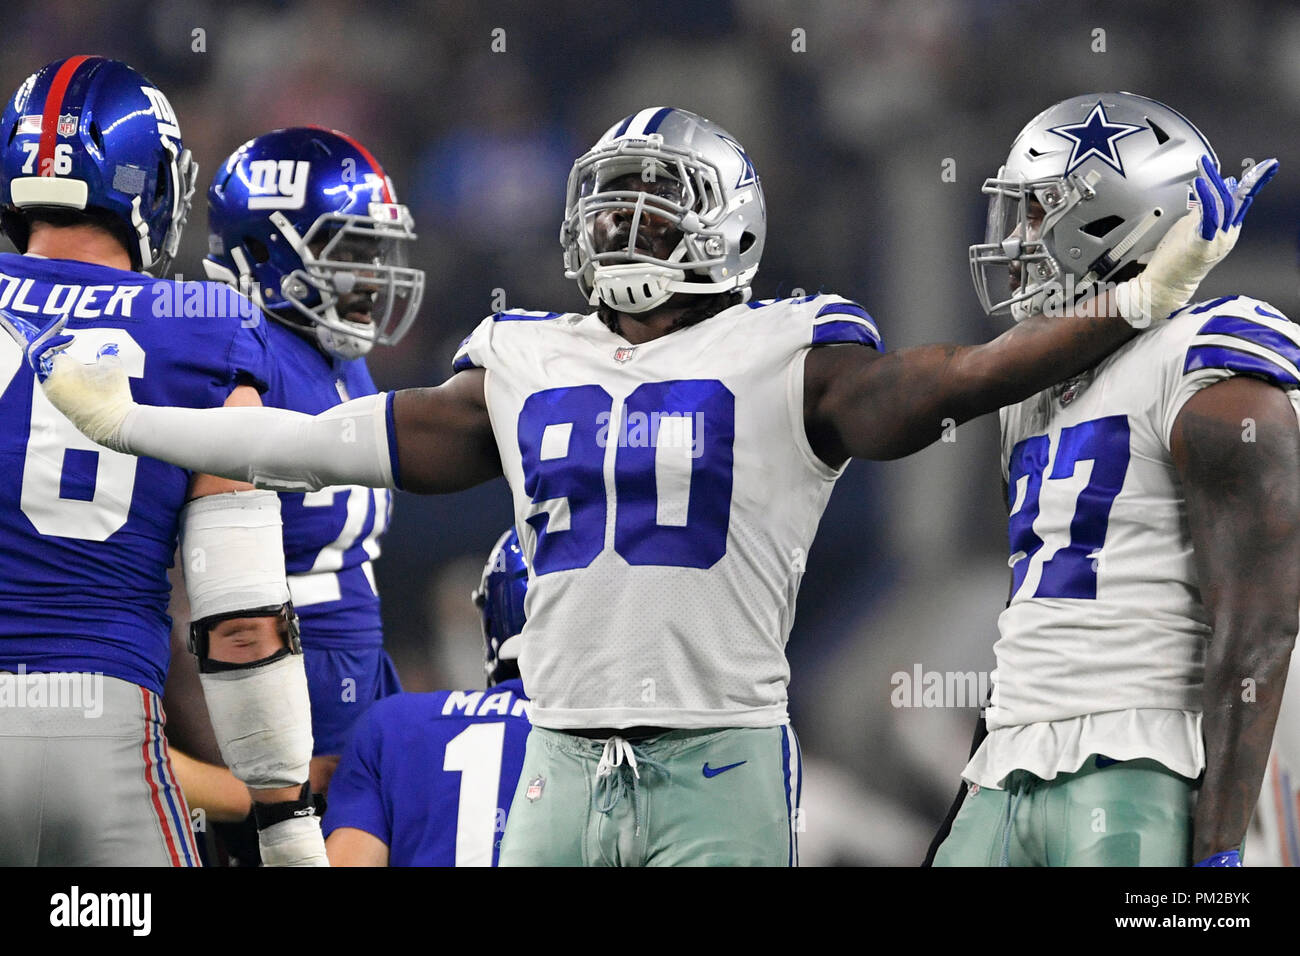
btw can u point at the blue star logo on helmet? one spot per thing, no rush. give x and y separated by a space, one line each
747 175
1096 136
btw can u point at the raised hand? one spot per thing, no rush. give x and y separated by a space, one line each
1224 202
40 345
1194 246
95 397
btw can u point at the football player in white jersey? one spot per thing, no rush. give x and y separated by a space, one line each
1154 524
669 454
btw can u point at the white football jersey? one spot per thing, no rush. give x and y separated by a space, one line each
1102 645
665 496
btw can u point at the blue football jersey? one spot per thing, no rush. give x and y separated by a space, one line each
432 775
331 536
87 534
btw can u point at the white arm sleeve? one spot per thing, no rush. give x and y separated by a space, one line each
232 552
270 447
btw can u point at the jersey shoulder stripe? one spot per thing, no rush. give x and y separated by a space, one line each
462 361
1264 343
1247 363
469 356
524 315
845 321
836 320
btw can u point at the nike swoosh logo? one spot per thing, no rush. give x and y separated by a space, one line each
712 772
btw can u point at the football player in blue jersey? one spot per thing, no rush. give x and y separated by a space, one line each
95 186
669 454
306 222
427 779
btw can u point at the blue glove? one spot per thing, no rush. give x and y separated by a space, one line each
1224 202
1227 858
39 344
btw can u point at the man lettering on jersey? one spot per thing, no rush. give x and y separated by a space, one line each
661 584
427 779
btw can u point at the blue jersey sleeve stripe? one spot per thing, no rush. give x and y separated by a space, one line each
462 362
1214 356
843 308
833 333
1253 332
392 440
871 326
525 316
1213 304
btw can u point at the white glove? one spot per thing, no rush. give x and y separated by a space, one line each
1193 247
96 398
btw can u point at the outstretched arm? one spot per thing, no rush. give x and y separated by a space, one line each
861 404
1243 510
858 403
443 433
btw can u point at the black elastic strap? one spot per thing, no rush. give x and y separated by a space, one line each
269 814
201 630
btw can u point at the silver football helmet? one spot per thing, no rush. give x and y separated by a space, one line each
709 192
1090 187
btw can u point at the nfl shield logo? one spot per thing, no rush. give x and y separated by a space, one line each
624 353
535 788
67 124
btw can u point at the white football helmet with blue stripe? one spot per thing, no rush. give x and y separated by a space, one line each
718 209
1112 172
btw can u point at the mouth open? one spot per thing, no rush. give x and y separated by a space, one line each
355 308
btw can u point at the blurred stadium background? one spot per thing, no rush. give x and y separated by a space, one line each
850 137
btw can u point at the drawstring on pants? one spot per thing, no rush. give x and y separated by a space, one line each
618 772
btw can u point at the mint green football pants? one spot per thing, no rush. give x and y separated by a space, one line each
726 797
1128 813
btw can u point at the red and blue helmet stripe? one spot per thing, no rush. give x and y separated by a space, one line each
88 132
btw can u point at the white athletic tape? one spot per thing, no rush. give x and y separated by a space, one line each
232 549
262 720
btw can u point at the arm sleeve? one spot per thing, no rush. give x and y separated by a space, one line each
475 348
356 796
350 444
838 320
249 358
1234 336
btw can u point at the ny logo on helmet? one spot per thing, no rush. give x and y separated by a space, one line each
277 183
162 112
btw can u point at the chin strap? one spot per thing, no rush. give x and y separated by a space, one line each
639 287
634 287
